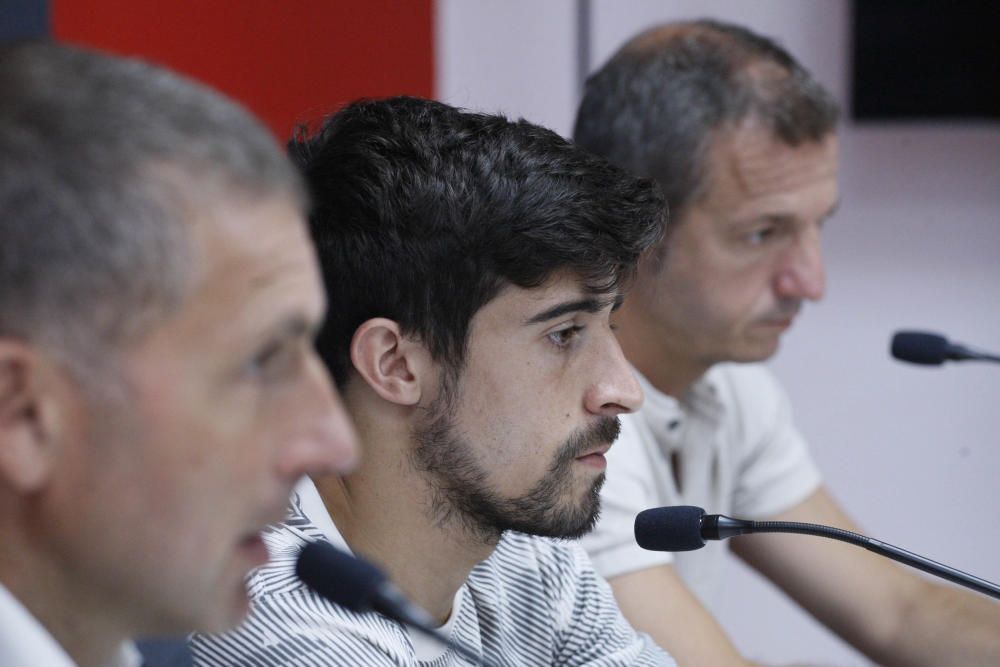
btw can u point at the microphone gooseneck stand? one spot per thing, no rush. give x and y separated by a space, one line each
723 524
686 527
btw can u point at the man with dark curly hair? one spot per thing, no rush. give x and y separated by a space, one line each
475 263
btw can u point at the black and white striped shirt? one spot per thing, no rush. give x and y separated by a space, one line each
534 601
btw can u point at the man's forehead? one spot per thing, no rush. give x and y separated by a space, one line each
246 249
236 226
750 162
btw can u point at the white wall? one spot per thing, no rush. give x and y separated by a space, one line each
512 56
912 453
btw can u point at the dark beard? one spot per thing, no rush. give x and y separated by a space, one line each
460 485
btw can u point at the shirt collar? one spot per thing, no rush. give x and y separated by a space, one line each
703 394
667 416
25 641
311 504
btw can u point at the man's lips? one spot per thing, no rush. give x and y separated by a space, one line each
253 547
781 318
595 458
602 450
252 543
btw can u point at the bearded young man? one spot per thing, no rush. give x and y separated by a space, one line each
476 262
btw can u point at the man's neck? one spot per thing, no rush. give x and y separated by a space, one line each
662 359
84 631
383 513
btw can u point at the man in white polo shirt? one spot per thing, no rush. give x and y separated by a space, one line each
741 139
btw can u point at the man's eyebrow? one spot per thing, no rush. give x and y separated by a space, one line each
782 218
588 305
297 326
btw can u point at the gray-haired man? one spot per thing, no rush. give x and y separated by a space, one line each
159 392
741 139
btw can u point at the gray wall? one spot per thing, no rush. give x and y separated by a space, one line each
912 453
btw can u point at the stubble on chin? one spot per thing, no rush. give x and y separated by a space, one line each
461 495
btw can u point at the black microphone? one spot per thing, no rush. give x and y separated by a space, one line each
358 585
685 528
931 349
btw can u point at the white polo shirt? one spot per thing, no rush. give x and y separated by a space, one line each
738 453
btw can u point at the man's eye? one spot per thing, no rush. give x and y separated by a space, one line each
563 338
760 235
274 360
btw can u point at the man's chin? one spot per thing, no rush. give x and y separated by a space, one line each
756 351
226 616
210 617
581 519
217 614
579 529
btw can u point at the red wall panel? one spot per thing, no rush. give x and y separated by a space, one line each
287 60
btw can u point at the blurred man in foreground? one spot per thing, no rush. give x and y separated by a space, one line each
159 392
475 263
741 139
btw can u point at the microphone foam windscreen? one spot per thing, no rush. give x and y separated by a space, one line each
919 347
676 528
338 576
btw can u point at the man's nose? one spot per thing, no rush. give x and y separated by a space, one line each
802 274
615 388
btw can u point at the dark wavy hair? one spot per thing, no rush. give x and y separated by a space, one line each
423 213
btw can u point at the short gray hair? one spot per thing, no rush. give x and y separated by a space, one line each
656 105
94 246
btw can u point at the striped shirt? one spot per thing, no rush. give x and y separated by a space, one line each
534 601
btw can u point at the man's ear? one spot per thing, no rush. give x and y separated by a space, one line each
393 365
26 441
